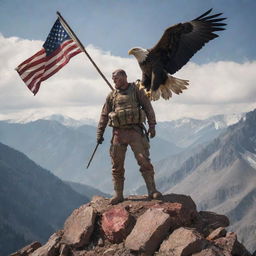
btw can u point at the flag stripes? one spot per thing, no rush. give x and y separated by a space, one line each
47 62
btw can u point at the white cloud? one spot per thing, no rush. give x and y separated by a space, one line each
215 88
78 90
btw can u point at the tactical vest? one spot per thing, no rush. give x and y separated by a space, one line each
126 108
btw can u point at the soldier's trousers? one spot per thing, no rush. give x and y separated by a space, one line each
140 147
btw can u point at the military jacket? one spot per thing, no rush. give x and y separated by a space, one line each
121 100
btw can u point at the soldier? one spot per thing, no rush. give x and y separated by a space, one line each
125 110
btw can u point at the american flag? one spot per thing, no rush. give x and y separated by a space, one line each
57 50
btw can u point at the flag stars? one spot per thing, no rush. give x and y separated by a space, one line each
56 37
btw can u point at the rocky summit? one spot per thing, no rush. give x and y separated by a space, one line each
171 226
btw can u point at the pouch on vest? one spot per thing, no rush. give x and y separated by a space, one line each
121 114
127 117
113 119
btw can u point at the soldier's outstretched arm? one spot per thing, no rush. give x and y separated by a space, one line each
107 108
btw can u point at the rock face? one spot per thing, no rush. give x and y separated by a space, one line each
27 249
138 226
116 224
211 221
79 226
230 244
51 248
183 241
217 233
150 230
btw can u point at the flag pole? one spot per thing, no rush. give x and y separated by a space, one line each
74 37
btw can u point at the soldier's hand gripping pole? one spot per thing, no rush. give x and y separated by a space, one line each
92 155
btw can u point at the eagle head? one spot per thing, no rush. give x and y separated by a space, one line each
139 53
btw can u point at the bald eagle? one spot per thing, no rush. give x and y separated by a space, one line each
175 48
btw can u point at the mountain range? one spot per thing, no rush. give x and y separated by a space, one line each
220 177
65 149
189 132
34 202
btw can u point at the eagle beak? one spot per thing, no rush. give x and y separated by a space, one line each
130 52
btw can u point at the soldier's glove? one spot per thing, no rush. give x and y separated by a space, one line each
152 131
100 139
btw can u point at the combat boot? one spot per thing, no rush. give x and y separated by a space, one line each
153 193
118 187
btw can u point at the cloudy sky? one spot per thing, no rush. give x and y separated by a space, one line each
222 75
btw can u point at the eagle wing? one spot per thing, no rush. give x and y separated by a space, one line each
180 42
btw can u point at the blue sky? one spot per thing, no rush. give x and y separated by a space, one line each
222 79
118 25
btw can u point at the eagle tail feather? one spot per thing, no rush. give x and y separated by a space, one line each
176 85
166 93
172 84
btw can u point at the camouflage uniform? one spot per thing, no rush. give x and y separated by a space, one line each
128 134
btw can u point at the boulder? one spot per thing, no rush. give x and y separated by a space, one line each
97 198
185 200
116 224
217 233
181 214
183 242
149 231
231 245
206 222
27 249
51 248
79 226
